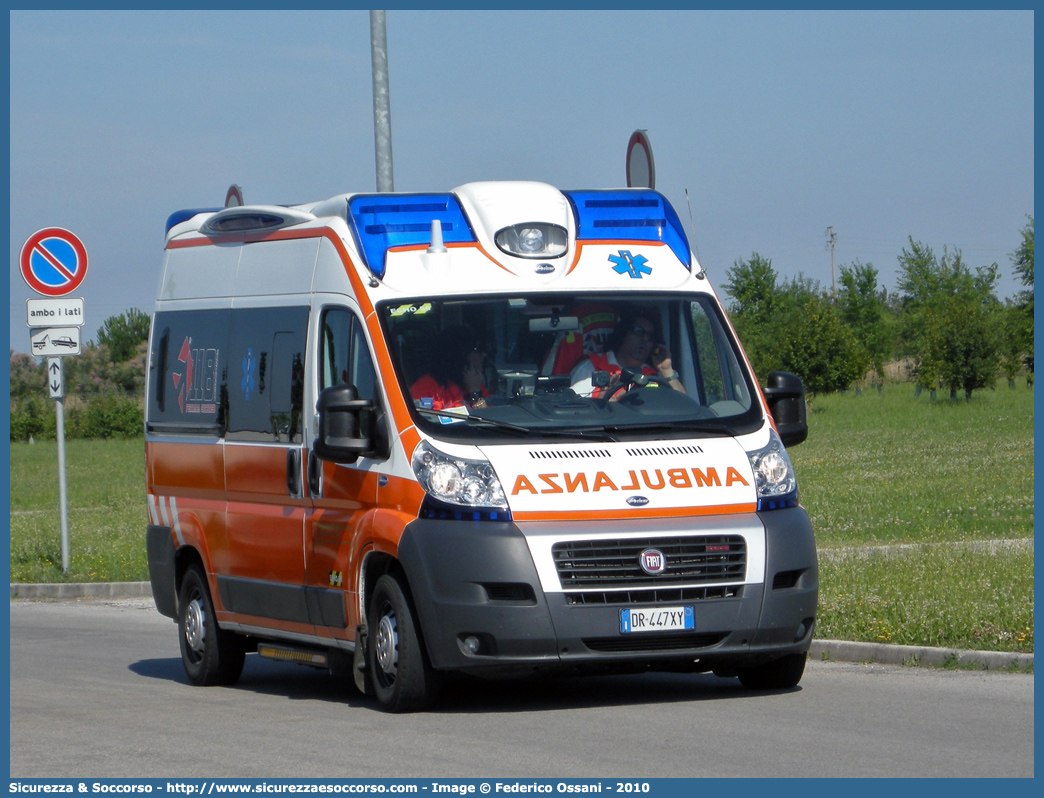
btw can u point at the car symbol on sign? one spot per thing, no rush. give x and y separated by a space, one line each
65 340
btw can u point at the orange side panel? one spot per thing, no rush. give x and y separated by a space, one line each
265 526
186 469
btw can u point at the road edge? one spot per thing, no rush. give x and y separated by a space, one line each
825 650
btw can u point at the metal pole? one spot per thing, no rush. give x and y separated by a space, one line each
63 506
381 102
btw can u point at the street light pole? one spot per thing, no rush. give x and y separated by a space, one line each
381 102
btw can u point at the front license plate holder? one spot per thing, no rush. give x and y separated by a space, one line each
635 620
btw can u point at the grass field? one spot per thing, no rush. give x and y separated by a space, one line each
105 486
923 513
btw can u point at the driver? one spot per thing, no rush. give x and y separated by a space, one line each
632 347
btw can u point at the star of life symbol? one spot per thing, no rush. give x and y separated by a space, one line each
246 385
634 265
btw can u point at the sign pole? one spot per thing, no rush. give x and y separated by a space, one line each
63 505
53 263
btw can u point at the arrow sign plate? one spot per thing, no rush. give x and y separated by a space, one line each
55 382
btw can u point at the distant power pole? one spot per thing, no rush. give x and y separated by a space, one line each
381 102
831 239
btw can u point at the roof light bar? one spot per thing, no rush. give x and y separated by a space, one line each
243 219
382 221
643 215
178 217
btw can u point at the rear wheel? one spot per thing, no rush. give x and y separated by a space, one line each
778 674
210 656
402 677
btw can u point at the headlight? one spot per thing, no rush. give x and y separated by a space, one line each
456 480
533 240
774 475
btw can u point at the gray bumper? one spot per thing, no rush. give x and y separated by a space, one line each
159 546
478 579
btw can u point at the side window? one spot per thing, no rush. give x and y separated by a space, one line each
345 355
719 367
188 371
266 374
707 356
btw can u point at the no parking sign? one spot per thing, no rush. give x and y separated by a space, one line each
53 261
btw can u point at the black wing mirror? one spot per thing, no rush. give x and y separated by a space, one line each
785 395
346 425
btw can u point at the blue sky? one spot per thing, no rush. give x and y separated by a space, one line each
882 124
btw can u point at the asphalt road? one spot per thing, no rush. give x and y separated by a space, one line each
97 690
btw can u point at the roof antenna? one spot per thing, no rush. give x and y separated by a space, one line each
702 273
436 257
436 238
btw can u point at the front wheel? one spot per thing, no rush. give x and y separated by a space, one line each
779 674
210 655
402 677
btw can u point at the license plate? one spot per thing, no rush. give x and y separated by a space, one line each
656 619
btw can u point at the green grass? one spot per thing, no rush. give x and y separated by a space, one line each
105 487
892 468
947 595
907 497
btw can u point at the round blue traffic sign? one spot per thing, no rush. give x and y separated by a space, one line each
53 262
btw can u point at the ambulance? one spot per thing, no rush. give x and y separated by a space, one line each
398 435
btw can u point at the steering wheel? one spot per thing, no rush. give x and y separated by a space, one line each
636 382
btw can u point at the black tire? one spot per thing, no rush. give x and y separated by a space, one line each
399 671
210 655
779 674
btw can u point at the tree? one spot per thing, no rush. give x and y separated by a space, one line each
863 309
27 377
1022 259
815 343
752 285
792 327
948 320
121 334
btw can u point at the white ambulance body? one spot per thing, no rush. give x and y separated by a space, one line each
321 491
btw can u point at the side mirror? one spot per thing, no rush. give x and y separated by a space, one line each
786 400
346 425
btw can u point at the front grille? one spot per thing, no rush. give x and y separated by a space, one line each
630 598
651 642
615 563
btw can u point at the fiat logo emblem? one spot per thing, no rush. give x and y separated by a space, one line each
652 561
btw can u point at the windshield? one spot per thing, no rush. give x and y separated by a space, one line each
602 366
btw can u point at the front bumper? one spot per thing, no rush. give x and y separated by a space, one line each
478 580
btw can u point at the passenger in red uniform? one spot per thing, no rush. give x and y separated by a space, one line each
632 347
457 375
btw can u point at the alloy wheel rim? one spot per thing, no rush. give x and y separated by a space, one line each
387 643
195 626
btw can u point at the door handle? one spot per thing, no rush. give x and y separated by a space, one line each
315 475
293 472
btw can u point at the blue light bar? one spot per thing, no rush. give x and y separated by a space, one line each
382 221
642 215
183 216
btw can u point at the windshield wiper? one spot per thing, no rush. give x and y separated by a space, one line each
478 421
598 432
709 427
